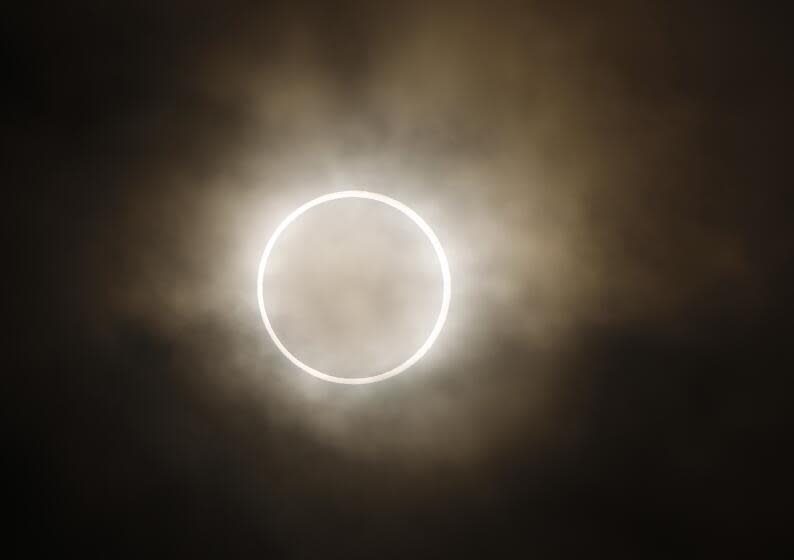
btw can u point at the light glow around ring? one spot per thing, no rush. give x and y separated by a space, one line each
442 260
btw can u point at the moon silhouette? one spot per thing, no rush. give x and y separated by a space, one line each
445 275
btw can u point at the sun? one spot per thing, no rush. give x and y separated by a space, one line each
442 261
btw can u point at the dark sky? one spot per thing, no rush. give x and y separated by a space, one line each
612 185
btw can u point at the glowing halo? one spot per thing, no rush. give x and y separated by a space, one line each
442 259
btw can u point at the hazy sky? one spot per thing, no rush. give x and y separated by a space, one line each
609 184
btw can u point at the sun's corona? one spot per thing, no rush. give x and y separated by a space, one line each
445 275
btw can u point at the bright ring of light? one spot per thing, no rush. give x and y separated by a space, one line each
442 260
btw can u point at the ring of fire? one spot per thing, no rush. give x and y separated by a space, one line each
445 275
